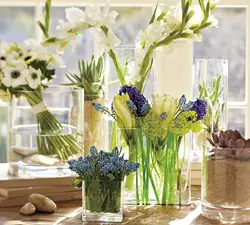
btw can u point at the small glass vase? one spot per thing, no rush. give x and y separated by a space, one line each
164 174
211 79
102 201
43 137
226 185
93 122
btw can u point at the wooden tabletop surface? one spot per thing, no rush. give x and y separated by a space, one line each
69 213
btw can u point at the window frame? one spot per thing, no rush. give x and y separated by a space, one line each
38 4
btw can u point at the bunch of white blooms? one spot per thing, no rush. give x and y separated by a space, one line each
26 65
182 21
98 20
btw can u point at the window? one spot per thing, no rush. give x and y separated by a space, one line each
18 22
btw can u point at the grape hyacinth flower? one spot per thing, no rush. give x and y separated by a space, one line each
136 97
103 165
200 107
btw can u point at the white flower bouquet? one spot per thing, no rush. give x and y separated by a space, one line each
25 71
168 25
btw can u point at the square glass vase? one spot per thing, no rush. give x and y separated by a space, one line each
102 201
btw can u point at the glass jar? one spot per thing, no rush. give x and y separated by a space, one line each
226 185
43 136
93 122
211 79
211 85
102 201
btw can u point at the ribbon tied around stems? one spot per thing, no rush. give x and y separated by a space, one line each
39 108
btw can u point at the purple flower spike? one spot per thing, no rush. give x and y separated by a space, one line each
200 107
136 97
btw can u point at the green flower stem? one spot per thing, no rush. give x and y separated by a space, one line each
117 67
102 196
148 57
165 185
147 165
50 141
132 158
138 147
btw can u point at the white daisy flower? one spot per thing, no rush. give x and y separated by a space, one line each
16 74
32 50
3 54
34 77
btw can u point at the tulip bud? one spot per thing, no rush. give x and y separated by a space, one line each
124 115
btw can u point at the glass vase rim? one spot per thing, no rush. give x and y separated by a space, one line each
55 89
132 47
98 180
211 59
93 95
124 128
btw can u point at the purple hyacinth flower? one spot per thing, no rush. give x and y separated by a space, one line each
136 97
200 107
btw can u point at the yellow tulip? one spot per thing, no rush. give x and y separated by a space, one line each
165 104
124 114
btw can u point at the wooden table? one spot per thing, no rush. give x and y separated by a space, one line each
69 213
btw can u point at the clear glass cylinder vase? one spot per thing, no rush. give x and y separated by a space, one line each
102 201
226 185
93 122
126 56
164 174
43 136
211 85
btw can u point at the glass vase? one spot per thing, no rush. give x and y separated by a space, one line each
164 174
93 122
42 135
102 201
125 55
211 85
226 185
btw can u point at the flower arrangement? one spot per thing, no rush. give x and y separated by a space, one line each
102 174
180 22
163 124
26 71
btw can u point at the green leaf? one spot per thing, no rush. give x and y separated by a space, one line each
183 3
110 176
62 45
185 11
212 7
42 27
201 3
189 15
154 14
77 183
161 16
203 26
51 41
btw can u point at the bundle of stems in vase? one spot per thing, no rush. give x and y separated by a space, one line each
154 133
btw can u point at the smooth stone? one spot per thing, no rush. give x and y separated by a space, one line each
24 151
45 160
28 209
